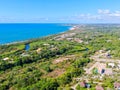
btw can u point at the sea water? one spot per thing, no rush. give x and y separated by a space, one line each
10 33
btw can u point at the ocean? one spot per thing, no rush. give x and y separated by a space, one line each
10 33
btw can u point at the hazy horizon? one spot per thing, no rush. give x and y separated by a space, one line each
63 11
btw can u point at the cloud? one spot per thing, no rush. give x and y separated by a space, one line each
4 19
102 15
109 13
106 11
115 14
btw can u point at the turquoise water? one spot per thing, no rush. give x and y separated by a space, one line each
19 32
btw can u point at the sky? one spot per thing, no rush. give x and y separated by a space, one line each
59 11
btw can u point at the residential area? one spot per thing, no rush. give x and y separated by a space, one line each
103 66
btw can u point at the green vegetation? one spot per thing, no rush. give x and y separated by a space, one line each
38 68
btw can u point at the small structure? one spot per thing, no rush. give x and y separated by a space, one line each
96 68
69 39
78 40
99 87
109 40
83 84
111 65
5 59
119 66
101 68
108 55
101 51
108 71
25 55
117 86
38 50
46 44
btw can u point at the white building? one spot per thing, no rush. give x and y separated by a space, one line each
119 66
5 59
111 65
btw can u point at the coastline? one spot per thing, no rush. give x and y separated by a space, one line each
73 27
25 41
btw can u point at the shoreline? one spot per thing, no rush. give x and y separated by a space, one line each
73 27
25 41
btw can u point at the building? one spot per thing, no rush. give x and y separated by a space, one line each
101 51
117 86
119 66
111 65
108 71
5 59
99 87
38 50
101 68
83 84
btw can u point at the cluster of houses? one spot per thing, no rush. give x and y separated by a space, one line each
78 40
84 84
102 66
103 63
104 54
99 68
64 36
74 28
117 86
114 65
